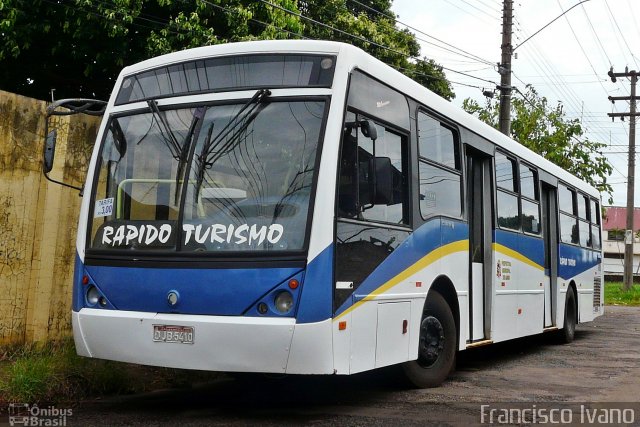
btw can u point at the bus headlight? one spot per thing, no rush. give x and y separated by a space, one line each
284 302
93 295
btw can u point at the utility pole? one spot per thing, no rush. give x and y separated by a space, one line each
628 235
504 68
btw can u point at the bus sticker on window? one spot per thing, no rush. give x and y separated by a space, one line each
104 207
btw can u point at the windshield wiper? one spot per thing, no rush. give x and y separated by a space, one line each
179 151
165 130
230 133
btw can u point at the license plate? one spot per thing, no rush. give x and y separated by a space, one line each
173 333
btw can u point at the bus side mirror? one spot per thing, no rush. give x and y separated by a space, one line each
383 190
49 150
369 129
66 107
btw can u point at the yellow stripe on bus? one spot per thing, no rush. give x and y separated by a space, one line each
422 263
497 247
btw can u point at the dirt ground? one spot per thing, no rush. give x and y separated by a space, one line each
601 367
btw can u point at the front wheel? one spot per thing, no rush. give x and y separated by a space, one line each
437 346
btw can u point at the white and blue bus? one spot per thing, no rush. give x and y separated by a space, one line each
300 207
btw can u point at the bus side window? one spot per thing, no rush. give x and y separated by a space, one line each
506 182
568 219
529 200
439 168
595 224
361 155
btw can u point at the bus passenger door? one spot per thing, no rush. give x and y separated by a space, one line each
550 230
479 185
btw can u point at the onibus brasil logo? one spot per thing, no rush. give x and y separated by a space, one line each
24 414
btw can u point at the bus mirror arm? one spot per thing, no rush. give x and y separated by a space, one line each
92 107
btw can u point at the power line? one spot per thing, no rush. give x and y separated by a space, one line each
363 39
489 6
478 58
227 10
479 10
621 34
595 33
469 13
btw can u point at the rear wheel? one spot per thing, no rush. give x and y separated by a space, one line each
568 332
437 346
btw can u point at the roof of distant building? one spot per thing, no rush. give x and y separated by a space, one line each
616 218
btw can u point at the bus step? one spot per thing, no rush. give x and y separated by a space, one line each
479 343
550 329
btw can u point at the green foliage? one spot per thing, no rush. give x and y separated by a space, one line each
545 130
28 379
54 373
615 295
79 46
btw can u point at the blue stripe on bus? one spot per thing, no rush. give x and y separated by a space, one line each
202 291
529 247
427 238
575 260
316 301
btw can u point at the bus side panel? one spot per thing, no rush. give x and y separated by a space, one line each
342 344
519 272
530 309
580 266
505 318
363 337
373 324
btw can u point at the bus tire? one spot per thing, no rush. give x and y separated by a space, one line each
568 331
436 347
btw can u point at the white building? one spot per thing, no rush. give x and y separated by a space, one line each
613 230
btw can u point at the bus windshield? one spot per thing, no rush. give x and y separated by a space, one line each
233 177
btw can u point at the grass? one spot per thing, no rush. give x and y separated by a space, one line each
614 295
54 373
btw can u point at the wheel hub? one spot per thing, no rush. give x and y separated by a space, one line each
431 341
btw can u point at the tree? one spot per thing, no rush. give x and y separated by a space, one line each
546 130
79 46
374 25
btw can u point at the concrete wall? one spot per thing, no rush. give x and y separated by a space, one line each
38 219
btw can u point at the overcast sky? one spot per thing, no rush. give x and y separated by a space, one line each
568 61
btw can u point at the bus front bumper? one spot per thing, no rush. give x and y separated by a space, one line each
221 343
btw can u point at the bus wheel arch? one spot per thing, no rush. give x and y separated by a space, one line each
444 286
437 345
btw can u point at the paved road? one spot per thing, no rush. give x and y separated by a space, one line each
601 365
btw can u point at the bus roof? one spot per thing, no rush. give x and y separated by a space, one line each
352 57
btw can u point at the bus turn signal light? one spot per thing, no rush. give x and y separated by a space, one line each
342 325
85 280
293 284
